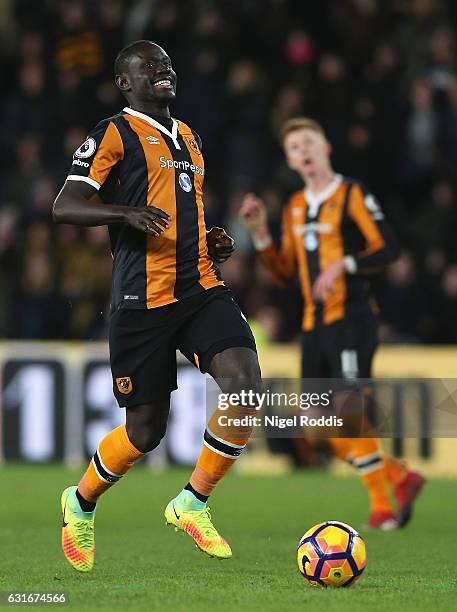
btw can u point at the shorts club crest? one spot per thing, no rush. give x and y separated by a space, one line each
124 385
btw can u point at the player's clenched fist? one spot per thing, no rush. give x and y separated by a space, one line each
220 244
149 219
253 212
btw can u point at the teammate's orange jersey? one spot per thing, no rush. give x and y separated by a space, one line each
343 222
136 160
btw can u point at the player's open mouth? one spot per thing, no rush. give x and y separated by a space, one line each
163 83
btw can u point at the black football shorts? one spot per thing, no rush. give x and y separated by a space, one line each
343 350
143 343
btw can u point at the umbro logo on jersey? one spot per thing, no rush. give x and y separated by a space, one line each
152 139
78 162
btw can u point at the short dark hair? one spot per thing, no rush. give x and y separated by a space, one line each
121 63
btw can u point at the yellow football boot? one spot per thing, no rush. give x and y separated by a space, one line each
197 523
78 539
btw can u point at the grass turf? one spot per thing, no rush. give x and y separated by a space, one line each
141 565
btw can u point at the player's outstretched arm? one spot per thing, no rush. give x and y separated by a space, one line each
79 204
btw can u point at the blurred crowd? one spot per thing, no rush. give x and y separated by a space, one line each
381 76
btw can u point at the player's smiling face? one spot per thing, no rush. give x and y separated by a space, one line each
307 152
151 76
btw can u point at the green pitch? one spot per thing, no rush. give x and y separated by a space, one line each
142 565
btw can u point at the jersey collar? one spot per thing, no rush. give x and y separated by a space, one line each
314 201
174 130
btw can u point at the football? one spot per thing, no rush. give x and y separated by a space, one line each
331 554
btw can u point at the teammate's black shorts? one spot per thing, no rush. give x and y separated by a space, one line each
143 343
343 349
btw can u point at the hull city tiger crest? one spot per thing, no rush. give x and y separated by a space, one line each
193 144
124 385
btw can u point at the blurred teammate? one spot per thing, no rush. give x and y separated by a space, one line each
166 294
333 233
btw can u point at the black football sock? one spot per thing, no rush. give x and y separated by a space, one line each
202 498
86 506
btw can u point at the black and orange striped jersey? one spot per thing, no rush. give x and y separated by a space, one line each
136 160
344 221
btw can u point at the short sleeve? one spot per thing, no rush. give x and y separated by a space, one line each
93 160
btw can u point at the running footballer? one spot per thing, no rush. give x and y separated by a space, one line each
141 173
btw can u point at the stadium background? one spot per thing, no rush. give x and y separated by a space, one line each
380 76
